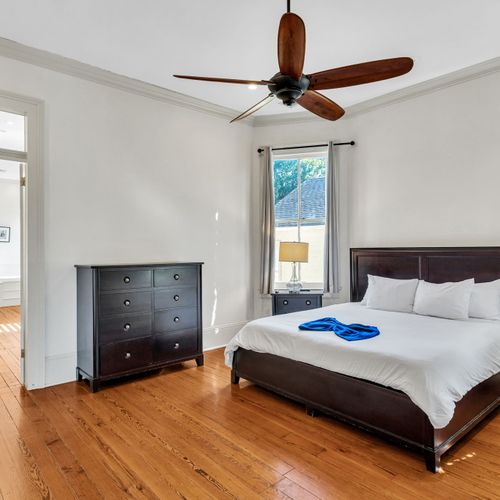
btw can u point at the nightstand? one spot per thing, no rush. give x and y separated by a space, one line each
285 302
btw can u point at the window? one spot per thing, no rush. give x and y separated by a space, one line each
300 199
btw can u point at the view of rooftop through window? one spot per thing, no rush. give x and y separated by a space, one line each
299 194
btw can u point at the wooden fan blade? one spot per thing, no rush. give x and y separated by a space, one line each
224 80
291 45
358 74
253 109
320 105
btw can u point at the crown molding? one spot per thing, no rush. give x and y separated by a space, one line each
435 84
71 67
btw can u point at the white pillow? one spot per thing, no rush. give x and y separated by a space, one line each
390 294
444 300
485 300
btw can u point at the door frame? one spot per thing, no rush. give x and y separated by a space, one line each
32 246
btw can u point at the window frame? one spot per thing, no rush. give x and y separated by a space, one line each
298 154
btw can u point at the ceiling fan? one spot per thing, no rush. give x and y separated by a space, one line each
291 85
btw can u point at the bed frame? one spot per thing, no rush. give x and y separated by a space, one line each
368 405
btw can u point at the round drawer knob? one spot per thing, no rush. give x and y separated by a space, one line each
126 302
308 302
128 355
176 277
176 298
126 279
177 319
285 302
176 345
126 327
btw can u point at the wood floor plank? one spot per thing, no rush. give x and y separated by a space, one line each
10 329
108 476
188 433
209 456
19 477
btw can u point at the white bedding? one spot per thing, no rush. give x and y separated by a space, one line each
434 361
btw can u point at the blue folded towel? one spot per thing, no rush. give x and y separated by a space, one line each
354 331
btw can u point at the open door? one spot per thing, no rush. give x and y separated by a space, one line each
13 158
22 211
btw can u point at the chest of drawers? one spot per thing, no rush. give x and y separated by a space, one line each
132 319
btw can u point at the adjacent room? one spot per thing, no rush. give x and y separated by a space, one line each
249 249
12 137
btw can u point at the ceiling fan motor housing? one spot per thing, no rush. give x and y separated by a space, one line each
287 88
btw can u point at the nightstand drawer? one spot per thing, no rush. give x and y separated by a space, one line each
123 279
175 276
175 319
124 328
124 356
126 302
288 303
175 297
171 346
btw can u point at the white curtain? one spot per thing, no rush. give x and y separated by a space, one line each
267 223
331 265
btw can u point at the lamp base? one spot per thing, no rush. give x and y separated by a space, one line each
294 285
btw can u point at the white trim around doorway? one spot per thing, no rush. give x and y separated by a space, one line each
32 254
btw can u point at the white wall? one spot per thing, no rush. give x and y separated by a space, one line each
10 253
424 171
131 179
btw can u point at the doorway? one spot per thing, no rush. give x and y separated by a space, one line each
13 157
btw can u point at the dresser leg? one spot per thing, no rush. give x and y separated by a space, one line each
200 361
94 385
235 379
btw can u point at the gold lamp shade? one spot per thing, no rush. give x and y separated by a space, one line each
293 251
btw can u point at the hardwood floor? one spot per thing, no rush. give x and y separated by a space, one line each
187 433
10 327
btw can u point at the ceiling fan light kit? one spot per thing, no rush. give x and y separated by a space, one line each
291 86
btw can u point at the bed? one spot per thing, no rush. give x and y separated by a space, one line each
393 401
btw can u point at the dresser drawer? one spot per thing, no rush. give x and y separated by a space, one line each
171 346
125 302
125 356
175 319
292 303
175 297
123 279
175 276
124 328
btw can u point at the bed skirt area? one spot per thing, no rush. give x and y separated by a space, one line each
373 407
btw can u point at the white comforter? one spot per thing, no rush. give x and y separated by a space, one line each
434 361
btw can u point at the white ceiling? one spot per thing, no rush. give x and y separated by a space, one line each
152 39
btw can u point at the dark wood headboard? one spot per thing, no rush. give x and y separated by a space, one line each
437 265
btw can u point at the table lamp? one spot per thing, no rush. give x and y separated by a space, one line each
293 251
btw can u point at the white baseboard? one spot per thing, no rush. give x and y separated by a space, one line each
61 368
215 337
14 301
10 292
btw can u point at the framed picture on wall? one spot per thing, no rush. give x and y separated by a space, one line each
4 234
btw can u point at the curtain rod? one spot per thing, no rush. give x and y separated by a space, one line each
350 143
